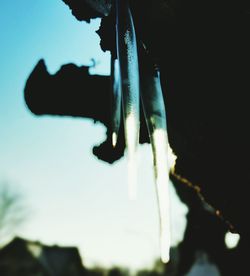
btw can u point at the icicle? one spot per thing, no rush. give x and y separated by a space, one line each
116 99
154 110
128 61
159 142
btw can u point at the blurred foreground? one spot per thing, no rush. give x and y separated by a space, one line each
27 258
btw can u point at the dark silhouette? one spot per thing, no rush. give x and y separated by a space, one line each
25 258
86 10
22 257
46 94
202 49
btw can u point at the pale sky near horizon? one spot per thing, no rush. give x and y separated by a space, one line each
74 199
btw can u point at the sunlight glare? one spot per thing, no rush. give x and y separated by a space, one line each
132 152
232 240
114 139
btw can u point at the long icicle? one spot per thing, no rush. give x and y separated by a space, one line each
154 110
115 99
128 61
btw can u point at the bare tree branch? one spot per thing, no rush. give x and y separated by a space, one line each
13 211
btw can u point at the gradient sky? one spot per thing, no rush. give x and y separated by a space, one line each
74 198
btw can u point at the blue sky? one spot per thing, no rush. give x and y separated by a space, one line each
74 198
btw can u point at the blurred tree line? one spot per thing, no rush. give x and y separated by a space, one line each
157 269
13 211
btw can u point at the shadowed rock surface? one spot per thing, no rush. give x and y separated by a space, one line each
202 49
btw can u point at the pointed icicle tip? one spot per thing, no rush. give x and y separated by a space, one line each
165 251
165 258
